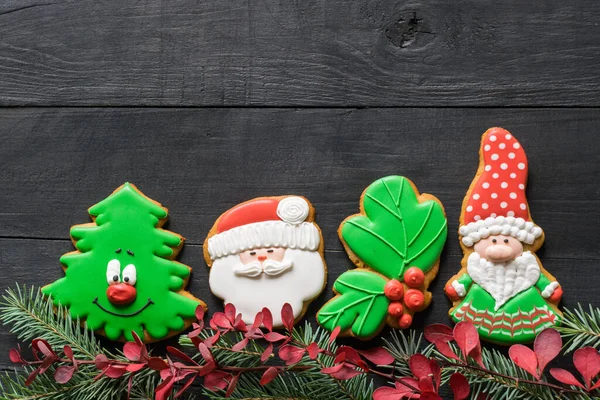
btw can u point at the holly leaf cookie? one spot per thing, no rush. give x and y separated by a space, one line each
123 277
396 241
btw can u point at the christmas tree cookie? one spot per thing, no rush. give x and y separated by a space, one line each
395 242
123 277
502 287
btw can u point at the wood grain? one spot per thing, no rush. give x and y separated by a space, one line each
308 53
199 162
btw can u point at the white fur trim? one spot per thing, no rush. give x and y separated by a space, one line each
461 291
524 231
302 236
293 209
549 290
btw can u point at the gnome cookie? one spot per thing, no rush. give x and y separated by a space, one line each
267 252
123 277
502 288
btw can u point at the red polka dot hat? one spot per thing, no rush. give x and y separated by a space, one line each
496 203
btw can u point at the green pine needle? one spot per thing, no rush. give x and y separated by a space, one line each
580 328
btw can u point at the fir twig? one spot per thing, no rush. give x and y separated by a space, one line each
580 328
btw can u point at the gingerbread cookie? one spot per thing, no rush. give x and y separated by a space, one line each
267 252
502 287
395 242
123 276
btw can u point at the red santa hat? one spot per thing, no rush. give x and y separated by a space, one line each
497 204
265 222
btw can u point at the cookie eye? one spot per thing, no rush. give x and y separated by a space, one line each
252 253
505 240
270 251
130 275
494 240
113 271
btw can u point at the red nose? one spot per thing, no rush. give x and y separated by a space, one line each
262 258
121 294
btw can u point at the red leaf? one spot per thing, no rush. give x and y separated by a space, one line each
291 354
230 312
64 373
68 352
466 337
129 385
437 333
239 346
206 354
48 361
332 369
437 373
408 384
525 358
270 374
211 340
31 377
587 362
232 385
136 338
180 354
216 380
157 364
426 384
200 313
267 353
377 355
132 351
313 350
101 361
207 368
565 377
345 372
388 393
334 333
115 371
596 386
258 320
274 337
460 386
547 346
221 321
43 347
287 316
15 356
163 390
134 367
267 319
445 349
186 386
419 365
351 354
430 396
477 356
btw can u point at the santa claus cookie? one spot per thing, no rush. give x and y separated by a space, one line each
396 242
267 252
502 287
123 277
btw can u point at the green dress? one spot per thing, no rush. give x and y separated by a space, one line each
519 320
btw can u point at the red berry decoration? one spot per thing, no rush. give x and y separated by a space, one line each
395 309
414 299
394 290
405 321
414 277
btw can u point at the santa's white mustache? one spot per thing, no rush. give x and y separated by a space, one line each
269 267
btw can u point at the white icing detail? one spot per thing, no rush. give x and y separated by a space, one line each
130 275
502 146
251 270
504 185
303 236
512 195
296 286
487 147
509 226
511 155
469 208
269 267
508 136
523 206
485 185
113 268
521 186
484 206
513 175
516 145
495 156
503 204
488 168
476 196
494 195
495 175
510 213
293 209
503 166
274 268
521 166
503 281
492 138
549 289
461 291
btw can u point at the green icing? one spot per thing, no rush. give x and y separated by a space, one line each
396 232
519 320
129 221
360 305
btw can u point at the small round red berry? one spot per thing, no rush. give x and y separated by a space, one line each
414 299
405 321
414 277
394 290
395 309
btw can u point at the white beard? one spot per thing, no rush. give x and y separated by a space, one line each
300 277
503 281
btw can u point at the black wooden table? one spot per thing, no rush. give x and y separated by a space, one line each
205 104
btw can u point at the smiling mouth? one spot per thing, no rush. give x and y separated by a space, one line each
148 304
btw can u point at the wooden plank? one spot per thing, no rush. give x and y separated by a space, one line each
315 53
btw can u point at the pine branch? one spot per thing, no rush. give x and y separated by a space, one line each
402 346
580 328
